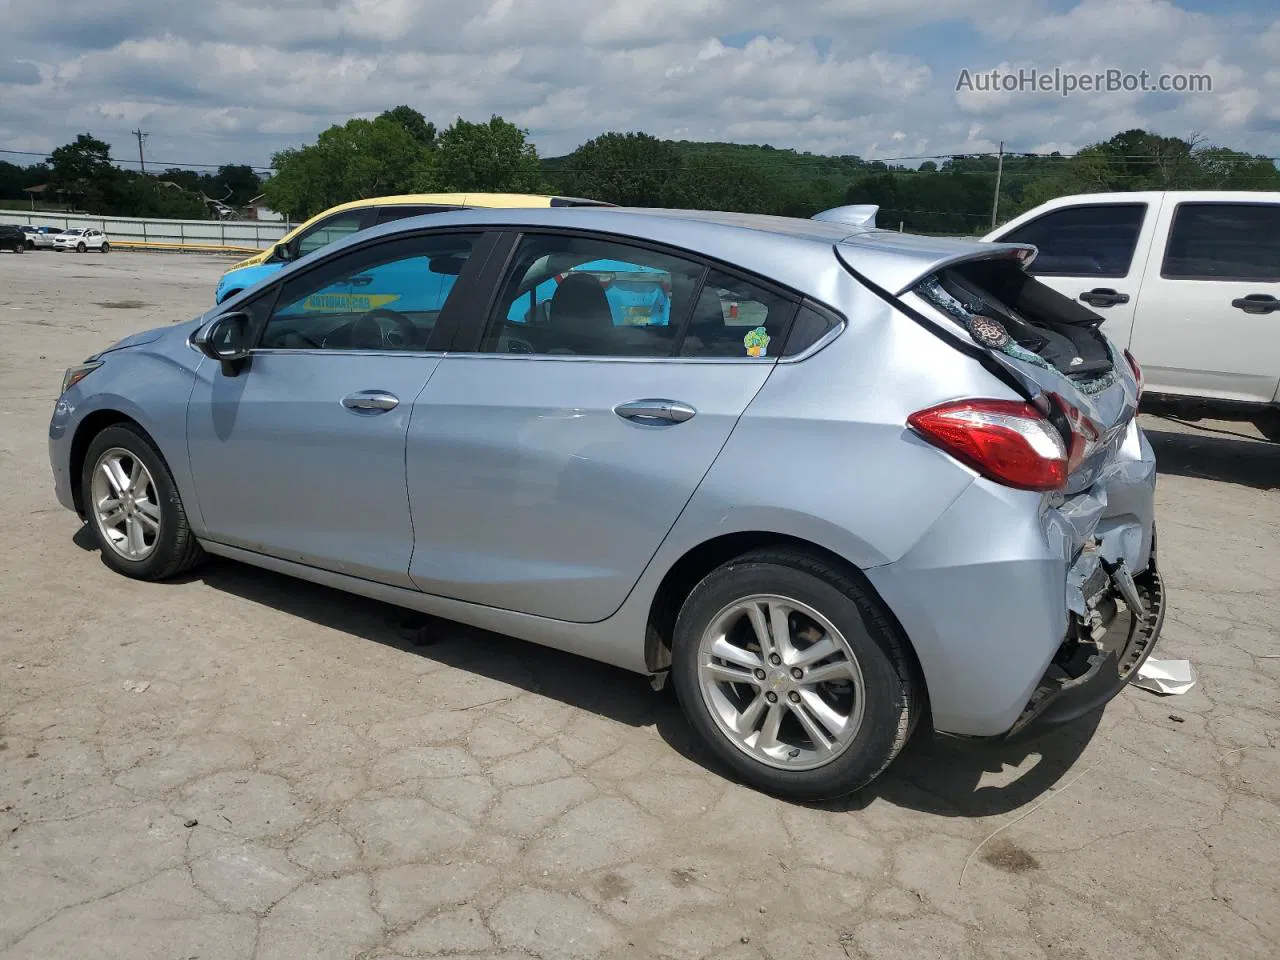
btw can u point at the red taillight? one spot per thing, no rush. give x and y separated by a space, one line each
1005 440
1084 433
1137 371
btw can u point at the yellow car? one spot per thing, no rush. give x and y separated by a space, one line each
346 218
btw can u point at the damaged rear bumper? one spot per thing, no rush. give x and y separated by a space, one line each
1102 650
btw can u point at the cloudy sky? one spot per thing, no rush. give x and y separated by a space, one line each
217 81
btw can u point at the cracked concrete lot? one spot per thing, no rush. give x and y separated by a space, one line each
243 766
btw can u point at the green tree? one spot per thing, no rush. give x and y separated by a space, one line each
83 170
716 183
15 179
418 126
234 184
631 169
493 157
355 160
139 195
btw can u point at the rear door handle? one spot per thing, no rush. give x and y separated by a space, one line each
1257 303
1104 297
371 402
655 411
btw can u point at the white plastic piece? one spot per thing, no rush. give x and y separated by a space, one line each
1170 677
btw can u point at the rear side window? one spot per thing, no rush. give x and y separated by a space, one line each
734 318
1089 241
327 231
389 214
1224 241
578 296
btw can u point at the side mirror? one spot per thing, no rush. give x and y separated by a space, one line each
281 252
225 339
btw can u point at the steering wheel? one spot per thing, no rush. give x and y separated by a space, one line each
369 328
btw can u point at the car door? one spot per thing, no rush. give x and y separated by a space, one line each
1208 323
551 453
301 455
1095 253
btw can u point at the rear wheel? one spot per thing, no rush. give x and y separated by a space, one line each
793 674
133 508
20 248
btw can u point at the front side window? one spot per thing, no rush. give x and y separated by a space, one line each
1224 241
1086 241
327 231
384 297
578 296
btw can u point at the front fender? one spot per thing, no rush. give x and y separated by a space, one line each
152 387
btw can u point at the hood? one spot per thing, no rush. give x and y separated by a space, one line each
150 336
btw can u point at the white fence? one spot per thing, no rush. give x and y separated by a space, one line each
239 235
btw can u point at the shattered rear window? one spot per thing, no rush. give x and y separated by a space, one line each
972 316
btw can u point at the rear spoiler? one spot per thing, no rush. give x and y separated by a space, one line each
855 215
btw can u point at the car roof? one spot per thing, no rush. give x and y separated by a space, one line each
780 248
511 200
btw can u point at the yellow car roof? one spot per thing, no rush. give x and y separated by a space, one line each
452 200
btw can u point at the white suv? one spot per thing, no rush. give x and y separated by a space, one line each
81 239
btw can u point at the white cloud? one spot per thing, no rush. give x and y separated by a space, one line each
235 80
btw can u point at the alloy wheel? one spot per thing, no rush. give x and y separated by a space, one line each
125 507
781 682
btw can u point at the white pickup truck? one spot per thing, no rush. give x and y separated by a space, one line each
1187 281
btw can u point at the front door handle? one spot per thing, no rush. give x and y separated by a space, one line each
1257 303
361 281
1103 297
371 402
655 411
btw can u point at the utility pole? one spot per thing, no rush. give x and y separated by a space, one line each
142 162
995 204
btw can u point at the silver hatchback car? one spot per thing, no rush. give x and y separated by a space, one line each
830 480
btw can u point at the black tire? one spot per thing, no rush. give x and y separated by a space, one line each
894 696
20 248
176 549
80 247
105 248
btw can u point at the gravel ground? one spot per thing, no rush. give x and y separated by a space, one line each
239 765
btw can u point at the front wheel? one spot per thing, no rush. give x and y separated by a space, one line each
793 674
20 248
81 248
105 248
133 508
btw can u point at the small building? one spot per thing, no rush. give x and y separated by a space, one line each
255 209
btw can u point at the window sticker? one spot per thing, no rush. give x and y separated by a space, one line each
757 342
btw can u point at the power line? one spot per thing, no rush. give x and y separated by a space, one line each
44 155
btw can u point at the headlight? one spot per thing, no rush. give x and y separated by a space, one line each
75 374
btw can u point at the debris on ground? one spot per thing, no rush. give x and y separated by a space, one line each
1170 677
